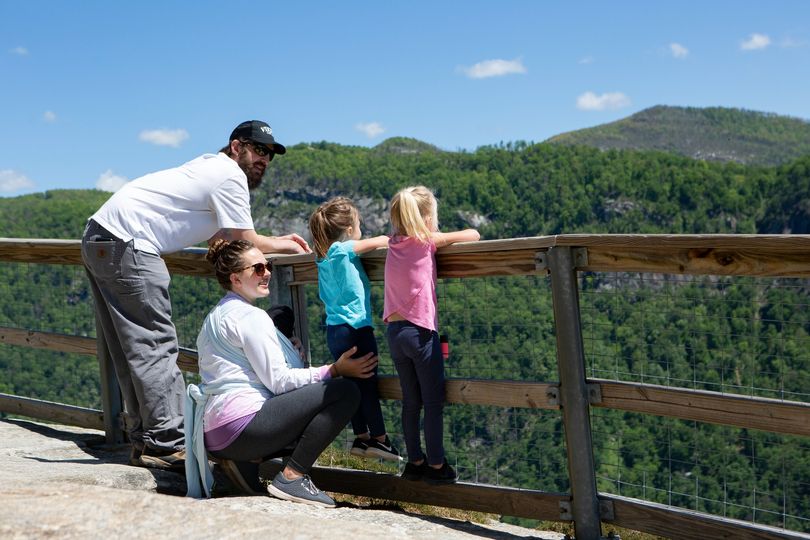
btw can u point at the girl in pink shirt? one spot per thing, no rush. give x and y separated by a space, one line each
412 332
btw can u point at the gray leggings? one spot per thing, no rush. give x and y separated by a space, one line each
307 418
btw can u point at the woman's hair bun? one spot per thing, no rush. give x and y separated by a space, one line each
215 249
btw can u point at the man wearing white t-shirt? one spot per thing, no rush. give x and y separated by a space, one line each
159 213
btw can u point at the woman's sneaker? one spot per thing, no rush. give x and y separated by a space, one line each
383 449
359 447
444 475
299 490
415 473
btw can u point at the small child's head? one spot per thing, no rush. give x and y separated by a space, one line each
414 212
335 220
284 319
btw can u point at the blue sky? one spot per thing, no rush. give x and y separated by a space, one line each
95 93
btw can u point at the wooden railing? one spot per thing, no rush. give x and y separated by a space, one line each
562 257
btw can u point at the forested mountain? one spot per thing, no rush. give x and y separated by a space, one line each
528 190
718 334
712 134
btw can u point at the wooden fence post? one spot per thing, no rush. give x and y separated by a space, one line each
110 391
282 292
574 400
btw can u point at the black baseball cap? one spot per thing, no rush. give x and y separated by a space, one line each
260 132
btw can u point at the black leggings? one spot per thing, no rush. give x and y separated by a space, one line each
308 418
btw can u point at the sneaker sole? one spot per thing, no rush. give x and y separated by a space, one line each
275 492
151 462
357 452
232 472
376 452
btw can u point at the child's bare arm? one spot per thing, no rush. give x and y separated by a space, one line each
370 244
445 239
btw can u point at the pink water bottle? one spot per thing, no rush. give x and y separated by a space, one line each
445 347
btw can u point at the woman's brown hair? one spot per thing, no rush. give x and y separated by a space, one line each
226 257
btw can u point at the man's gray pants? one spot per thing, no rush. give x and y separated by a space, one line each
133 321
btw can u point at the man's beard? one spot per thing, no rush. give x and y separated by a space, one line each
254 178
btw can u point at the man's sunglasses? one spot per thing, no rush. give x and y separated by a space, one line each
261 150
259 268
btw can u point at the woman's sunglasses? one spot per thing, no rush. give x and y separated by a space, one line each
259 268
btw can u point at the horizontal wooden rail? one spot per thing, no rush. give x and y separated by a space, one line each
786 255
48 340
673 522
190 261
720 254
53 412
529 395
749 412
477 497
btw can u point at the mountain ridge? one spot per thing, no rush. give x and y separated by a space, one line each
712 134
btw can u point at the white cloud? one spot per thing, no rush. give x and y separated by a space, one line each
678 50
586 60
494 68
370 129
109 181
755 42
49 116
164 137
11 181
19 51
611 100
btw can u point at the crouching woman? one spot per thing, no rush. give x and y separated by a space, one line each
256 398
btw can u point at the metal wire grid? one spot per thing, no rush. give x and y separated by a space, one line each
47 298
197 295
498 328
736 473
737 335
734 335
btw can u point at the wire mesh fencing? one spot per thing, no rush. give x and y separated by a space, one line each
740 335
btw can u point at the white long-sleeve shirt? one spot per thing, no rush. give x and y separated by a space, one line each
251 332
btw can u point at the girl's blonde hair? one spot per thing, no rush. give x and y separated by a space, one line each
414 212
330 221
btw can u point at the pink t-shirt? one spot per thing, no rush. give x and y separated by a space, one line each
410 281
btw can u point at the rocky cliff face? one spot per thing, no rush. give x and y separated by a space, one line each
288 210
